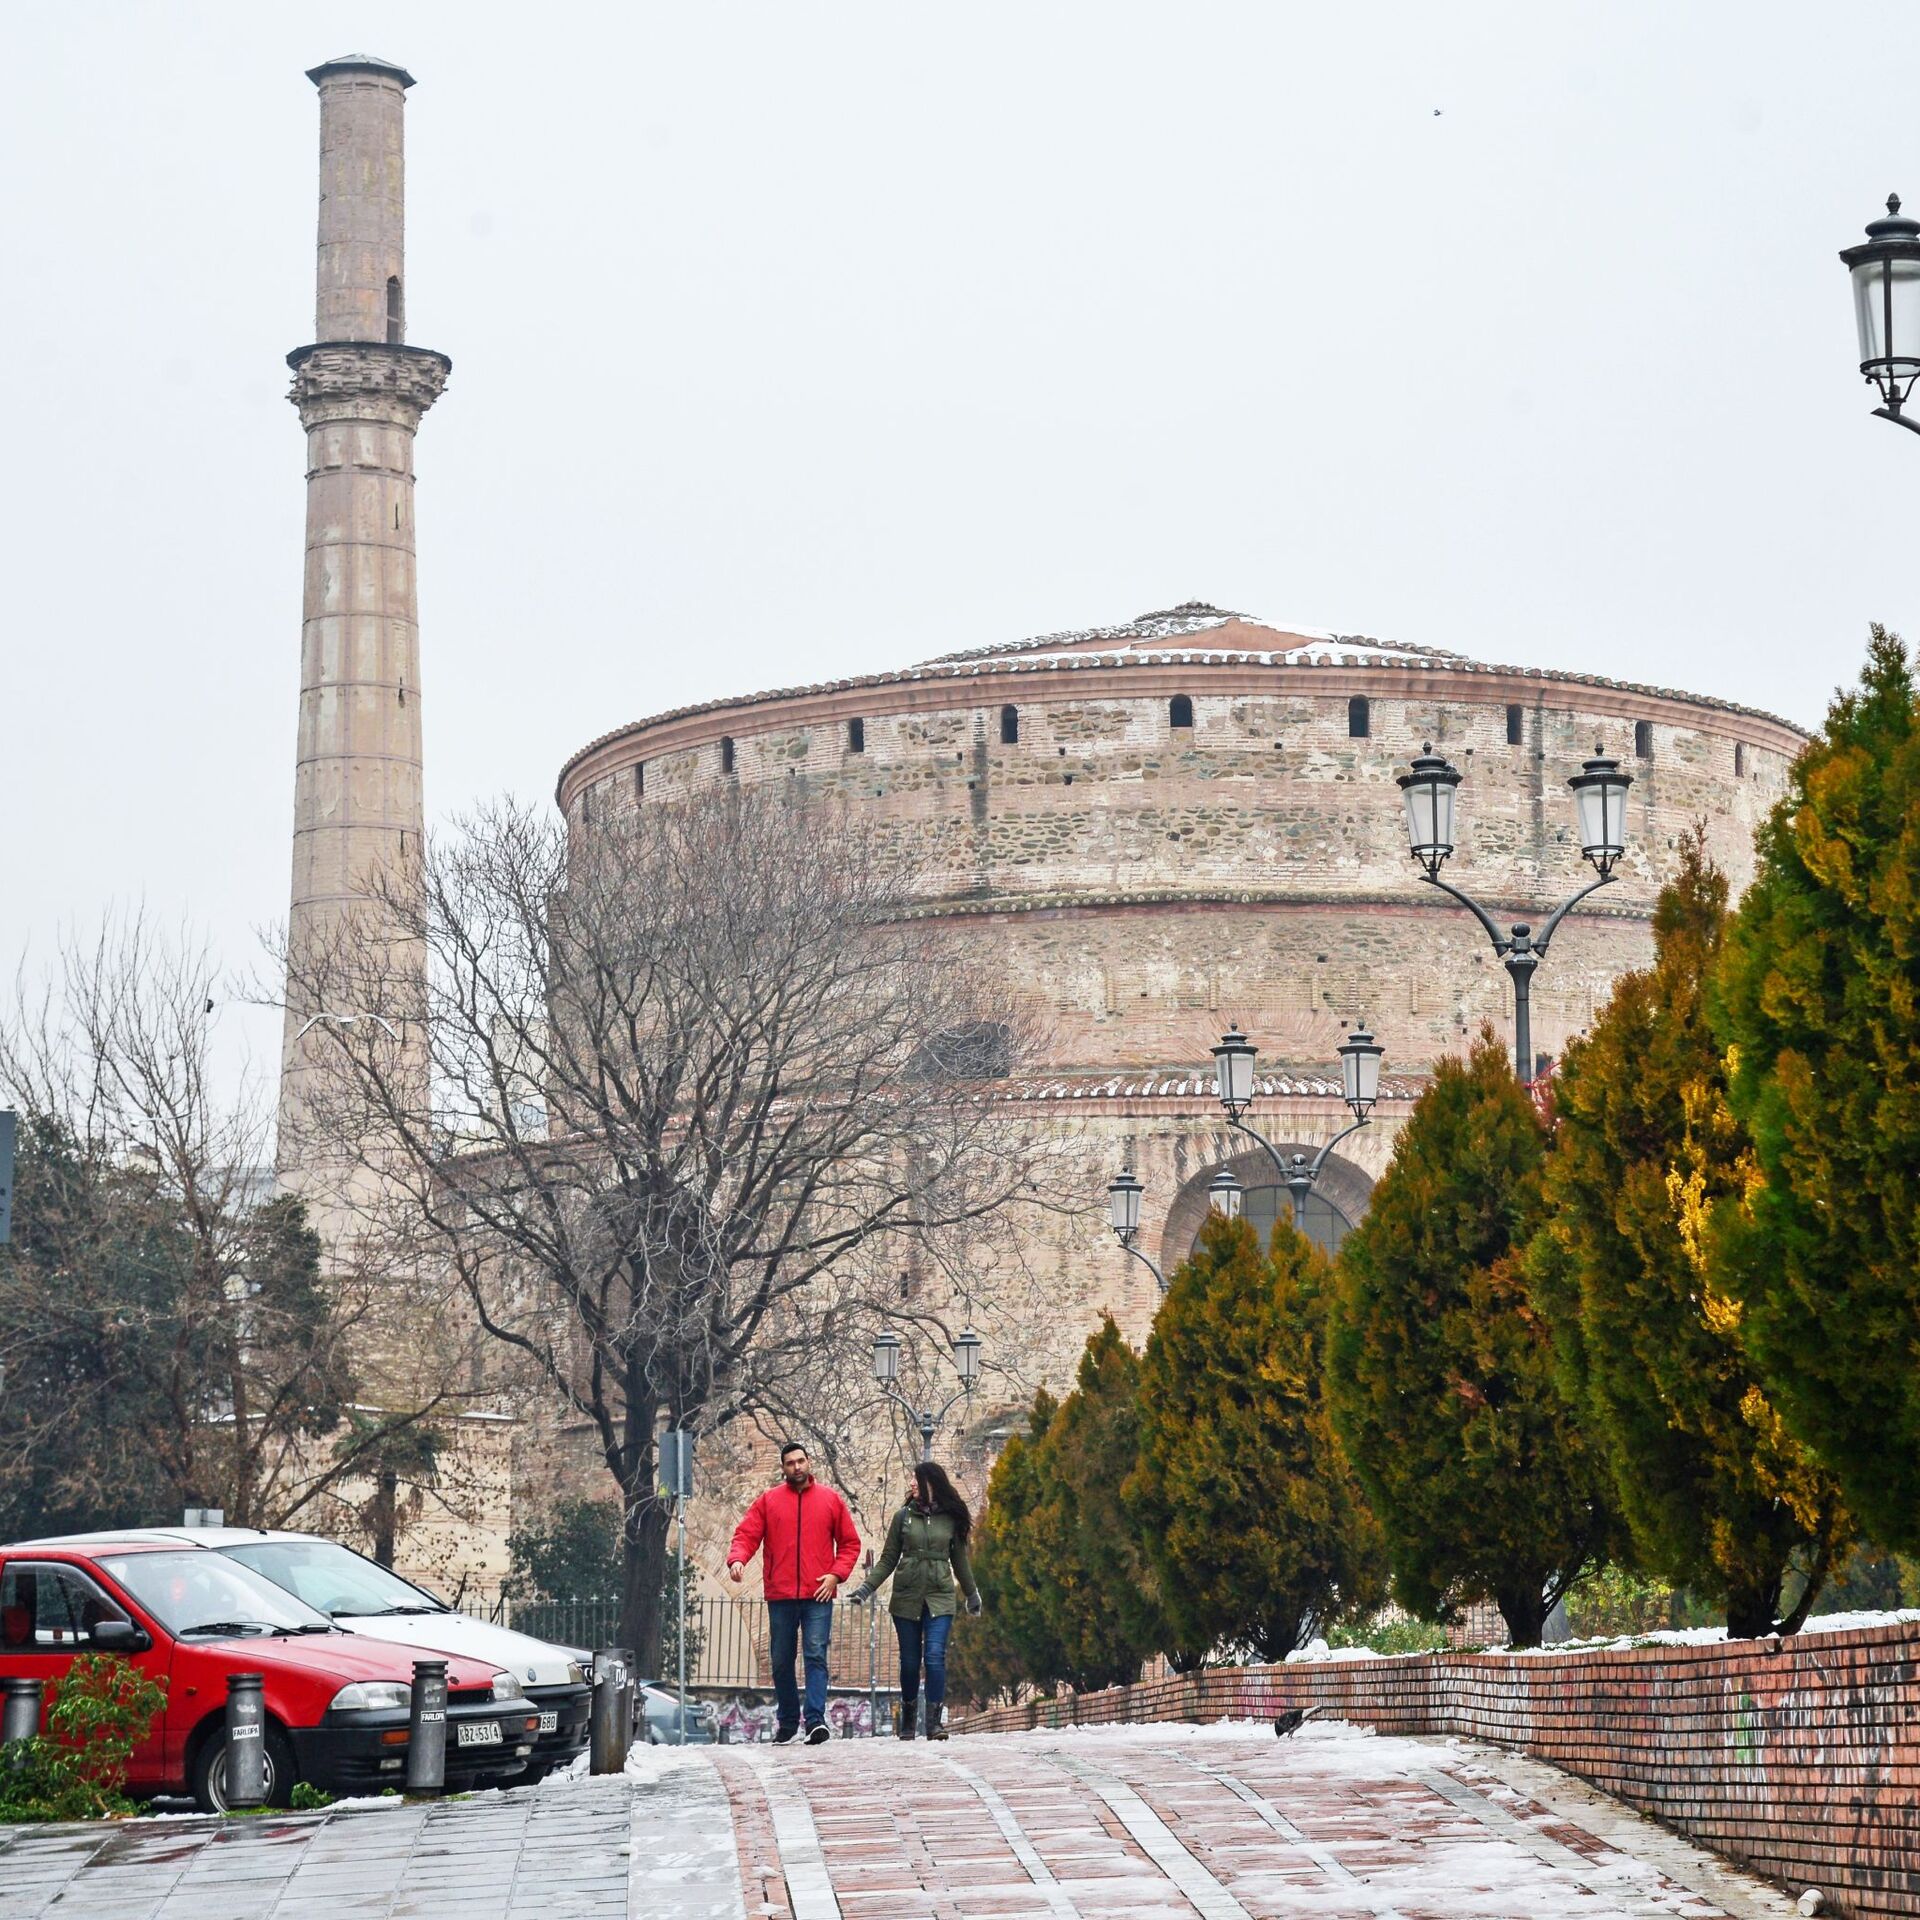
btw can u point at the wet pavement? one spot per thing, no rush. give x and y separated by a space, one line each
1167 1822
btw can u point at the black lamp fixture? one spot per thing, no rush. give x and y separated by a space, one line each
1599 790
1225 1194
1885 269
967 1347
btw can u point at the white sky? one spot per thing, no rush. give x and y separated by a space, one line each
793 340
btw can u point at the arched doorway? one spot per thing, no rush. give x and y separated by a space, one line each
1335 1206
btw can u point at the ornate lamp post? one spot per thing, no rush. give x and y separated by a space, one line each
1359 1086
1886 306
1600 807
1123 1215
886 1371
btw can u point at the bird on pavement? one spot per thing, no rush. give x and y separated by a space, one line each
1292 1720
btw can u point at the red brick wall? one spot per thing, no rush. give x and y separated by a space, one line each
1797 1758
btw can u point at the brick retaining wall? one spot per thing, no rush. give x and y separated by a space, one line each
1798 1758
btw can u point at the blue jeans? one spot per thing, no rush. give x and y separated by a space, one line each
799 1626
926 1636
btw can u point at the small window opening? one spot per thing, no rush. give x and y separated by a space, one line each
1516 725
396 319
1359 717
639 779
1643 739
1009 725
726 754
1739 760
586 806
1180 711
856 736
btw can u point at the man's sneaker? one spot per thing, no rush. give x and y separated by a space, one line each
818 1736
782 1735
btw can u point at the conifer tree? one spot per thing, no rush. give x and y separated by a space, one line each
1253 1524
1016 1582
1646 1155
1440 1373
1819 1003
1105 1618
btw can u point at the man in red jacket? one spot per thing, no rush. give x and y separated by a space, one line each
808 1545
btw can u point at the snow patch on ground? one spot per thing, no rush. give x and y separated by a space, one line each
643 1763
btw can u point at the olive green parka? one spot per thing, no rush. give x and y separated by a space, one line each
928 1555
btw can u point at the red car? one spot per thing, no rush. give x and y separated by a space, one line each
336 1702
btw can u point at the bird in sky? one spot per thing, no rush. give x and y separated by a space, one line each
347 1020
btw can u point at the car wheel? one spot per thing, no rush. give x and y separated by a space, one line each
209 1772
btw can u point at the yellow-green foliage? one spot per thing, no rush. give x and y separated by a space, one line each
1252 1522
1439 1369
1647 1159
1818 997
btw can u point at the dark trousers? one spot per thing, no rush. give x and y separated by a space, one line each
804 1627
925 1638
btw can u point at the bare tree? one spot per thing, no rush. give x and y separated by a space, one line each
702 1086
168 1335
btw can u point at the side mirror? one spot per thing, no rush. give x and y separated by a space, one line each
120 1636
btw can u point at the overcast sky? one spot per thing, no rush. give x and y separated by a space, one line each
795 340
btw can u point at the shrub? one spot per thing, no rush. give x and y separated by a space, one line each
76 1770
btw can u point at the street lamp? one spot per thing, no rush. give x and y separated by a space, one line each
1886 307
1123 1214
1225 1194
1600 811
967 1347
1360 1088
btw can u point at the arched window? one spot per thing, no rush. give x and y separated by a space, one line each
1180 711
1327 1226
1359 717
726 754
1009 725
856 736
1516 724
1643 739
396 317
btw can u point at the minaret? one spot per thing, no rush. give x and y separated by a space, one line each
361 391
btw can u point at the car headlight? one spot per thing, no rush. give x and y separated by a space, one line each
576 1674
505 1687
365 1696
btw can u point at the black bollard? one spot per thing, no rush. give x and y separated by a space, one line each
20 1714
612 1711
246 1741
427 1728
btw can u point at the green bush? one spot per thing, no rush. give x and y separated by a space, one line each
1391 1636
307 1798
76 1770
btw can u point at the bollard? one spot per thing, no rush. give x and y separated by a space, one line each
632 1702
427 1728
20 1715
608 1734
246 1784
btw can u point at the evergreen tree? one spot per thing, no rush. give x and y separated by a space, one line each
1819 1005
1016 1581
1253 1525
1104 1617
1645 1155
1440 1373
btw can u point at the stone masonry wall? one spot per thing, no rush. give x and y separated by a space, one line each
1798 1758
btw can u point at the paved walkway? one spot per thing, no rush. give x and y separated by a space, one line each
1162 1822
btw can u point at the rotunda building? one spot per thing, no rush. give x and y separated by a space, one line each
1191 820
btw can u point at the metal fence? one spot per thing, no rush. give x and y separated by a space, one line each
726 1638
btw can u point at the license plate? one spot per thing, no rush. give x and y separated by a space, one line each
479 1733
550 1722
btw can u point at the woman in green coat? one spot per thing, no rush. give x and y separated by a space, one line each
927 1555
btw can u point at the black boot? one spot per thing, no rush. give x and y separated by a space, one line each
905 1728
935 1731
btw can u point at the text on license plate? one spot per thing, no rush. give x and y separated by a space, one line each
479 1733
550 1722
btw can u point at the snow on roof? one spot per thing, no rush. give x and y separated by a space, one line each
1168 638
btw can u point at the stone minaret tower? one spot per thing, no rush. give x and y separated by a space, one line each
361 392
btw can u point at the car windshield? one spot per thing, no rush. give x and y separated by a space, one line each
194 1591
333 1578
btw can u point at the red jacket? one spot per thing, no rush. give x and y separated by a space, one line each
805 1535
